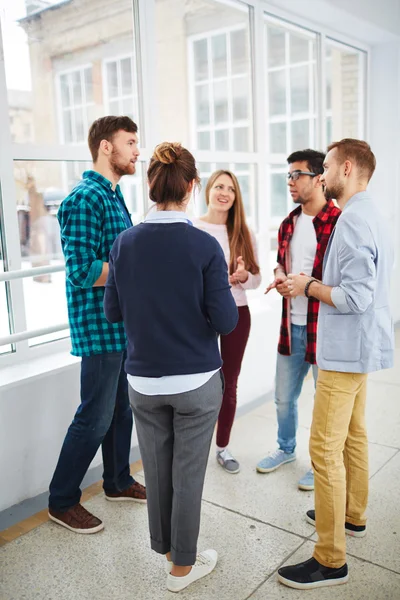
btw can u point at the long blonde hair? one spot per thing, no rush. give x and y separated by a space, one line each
240 242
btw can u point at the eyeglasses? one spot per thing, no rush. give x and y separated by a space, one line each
296 174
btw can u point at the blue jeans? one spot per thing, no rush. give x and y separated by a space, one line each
104 418
290 373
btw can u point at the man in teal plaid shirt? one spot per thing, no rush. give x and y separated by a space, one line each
91 218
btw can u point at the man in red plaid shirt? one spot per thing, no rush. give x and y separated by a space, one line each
302 241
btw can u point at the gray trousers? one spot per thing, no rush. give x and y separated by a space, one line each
174 433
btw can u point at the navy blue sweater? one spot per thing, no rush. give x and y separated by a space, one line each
168 283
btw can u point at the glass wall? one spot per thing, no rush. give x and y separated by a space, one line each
193 75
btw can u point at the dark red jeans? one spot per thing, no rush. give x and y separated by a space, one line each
233 346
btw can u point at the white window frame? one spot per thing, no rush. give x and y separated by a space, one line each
229 125
120 97
84 105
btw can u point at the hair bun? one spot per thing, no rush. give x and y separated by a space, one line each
167 152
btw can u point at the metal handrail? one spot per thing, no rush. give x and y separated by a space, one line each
32 333
32 272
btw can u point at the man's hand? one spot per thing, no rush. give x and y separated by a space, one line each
297 283
240 275
280 284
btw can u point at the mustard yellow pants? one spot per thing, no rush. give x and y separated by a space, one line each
339 455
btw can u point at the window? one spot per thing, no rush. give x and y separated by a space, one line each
55 89
220 73
121 88
345 81
76 101
291 74
204 74
295 76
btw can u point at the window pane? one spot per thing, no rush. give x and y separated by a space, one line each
200 60
241 139
114 107
127 108
299 88
80 126
126 76
65 91
277 93
345 76
276 46
112 80
239 52
245 174
50 68
245 189
216 36
88 82
202 105
67 126
298 48
76 87
300 135
203 140
277 141
278 195
46 305
329 137
132 190
220 102
222 140
219 56
240 98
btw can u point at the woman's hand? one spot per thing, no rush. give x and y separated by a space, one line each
240 275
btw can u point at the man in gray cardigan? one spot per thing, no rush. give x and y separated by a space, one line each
355 337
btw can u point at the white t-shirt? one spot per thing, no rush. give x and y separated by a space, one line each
303 247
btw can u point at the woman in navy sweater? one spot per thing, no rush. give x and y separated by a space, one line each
168 283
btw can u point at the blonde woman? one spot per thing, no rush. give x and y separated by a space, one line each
225 220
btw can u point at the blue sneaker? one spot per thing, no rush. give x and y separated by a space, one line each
306 483
274 460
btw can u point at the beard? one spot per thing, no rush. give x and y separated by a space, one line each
335 190
119 166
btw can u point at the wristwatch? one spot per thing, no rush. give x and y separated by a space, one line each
309 282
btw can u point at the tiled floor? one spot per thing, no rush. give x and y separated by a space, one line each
256 522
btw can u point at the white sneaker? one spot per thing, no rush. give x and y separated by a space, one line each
168 567
205 563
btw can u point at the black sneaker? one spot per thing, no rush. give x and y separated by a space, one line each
310 574
354 530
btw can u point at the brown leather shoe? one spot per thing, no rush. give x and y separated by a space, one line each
77 519
135 493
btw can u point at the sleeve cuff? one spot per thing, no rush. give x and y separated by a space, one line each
95 271
338 298
252 282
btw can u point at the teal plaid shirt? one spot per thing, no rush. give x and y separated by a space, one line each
90 220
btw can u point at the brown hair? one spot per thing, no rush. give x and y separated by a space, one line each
170 172
240 242
104 129
356 151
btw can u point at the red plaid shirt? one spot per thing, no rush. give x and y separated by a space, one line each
324 224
